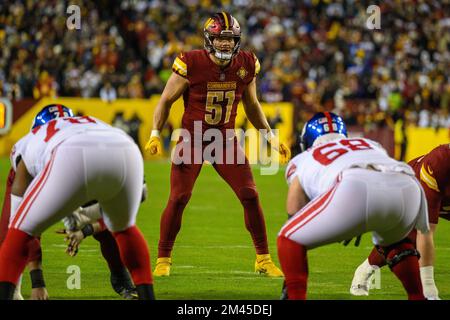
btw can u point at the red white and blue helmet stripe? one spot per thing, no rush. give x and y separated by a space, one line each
50 112
320 124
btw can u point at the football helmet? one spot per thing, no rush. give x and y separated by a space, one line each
222 24
50 112
320 124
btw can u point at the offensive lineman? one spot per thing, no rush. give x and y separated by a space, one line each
67 161
433 172
212 82
340 188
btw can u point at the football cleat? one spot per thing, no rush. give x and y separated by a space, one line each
284 294
129 294
264 265
362 279
162 268
123 285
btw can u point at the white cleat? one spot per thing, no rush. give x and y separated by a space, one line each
362 279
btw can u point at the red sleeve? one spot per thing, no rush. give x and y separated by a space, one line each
433 172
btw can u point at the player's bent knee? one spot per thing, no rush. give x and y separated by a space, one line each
181 199
399 251
247 194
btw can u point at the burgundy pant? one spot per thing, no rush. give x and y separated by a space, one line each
240 179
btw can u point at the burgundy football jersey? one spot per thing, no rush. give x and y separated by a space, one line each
433 171
214 92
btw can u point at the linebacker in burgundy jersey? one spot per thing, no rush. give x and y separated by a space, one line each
433 172
212 82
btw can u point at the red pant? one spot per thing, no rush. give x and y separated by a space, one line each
240 179
35 252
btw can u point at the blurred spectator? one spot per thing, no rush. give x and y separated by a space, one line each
317 54
45 86
108 93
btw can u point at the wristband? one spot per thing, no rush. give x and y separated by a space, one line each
155 133
88 230
37 279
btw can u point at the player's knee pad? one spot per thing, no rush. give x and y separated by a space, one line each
247 194
398 251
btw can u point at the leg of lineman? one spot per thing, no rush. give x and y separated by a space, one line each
182 179
363 274
329 219
240 178
35 253
64 175
119 277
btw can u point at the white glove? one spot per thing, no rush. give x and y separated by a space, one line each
430 290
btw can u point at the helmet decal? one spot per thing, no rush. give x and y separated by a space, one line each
320 124
50 112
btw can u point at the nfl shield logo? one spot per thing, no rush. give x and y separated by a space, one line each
242 73
222 77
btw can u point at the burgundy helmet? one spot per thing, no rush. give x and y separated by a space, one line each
222 24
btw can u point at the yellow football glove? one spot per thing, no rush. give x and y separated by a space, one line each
154 145
285 153
281 148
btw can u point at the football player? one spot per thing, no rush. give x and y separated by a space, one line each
34 261
213 81
433 172
340 188
67 161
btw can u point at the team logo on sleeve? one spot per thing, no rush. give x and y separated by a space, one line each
426 176
242 73
291 171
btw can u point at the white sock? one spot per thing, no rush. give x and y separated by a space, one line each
427 277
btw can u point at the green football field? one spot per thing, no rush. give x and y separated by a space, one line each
213 256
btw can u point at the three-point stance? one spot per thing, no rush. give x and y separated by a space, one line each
212 82
340 188
433 172
63 163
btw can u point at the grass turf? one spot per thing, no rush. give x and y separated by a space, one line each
213 256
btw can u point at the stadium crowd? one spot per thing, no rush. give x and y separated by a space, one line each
314 53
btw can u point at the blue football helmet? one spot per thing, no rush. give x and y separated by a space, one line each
50 112
320 124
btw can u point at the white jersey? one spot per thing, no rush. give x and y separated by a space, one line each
318 167
36 147
17 151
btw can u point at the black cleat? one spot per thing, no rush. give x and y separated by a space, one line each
123 285
284 295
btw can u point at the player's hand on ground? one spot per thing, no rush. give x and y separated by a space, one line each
73 239
39 294
154 146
